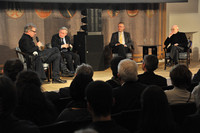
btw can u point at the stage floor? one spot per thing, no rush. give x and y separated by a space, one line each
107 74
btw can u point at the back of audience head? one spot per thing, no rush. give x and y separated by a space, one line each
114 64
127 70
85 69
156 113
78 85
12 67
87 130
29 87
150 63
181 76
99 98
8 97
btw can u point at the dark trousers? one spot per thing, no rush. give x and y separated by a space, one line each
49 56
120 50
174 53
70 57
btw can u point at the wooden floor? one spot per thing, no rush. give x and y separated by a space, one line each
107 74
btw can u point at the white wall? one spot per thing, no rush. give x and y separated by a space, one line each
187 17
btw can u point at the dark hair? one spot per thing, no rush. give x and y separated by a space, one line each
156 113
12 68
121 23
181 76
99 96
151 62
78 85
114 64
8 97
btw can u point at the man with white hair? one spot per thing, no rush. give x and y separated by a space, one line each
62 41
178 43
127 96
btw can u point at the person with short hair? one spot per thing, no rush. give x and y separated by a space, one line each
62 41
121 41
99 100
181 80
176 42
27 45
150 64
127 96
9 123
12 67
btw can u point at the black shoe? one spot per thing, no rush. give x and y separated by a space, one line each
67 74
59 81
45 82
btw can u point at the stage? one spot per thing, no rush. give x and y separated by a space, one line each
107 74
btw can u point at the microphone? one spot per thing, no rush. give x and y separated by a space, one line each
37 39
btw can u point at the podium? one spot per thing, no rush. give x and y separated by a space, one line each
90 48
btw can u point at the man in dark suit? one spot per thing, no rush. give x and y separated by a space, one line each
62 41
127 96
150 64
121 41
178 41
27 45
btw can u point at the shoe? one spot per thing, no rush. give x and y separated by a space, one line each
67 74
45 82
59 81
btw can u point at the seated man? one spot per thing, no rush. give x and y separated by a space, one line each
150 64
121 41
62 41
52 55
178 43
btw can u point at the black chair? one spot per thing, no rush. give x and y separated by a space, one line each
27 61
180 111
183 56
128 119
64 126
128 55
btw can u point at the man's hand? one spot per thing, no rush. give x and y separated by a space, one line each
65 46
117 44
125 45
39 44
176 44
170 34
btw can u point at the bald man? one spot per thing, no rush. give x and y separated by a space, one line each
178 43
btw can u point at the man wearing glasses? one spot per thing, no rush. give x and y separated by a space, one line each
176 42
27 45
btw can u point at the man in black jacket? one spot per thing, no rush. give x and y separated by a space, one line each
121 41
27 45
178 43
62 41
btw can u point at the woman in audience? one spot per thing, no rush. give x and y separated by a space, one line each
77 109
181 80
8 122
156 116
33 105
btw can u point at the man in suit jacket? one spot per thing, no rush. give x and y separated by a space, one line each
27 45
121 41
178 43
150 64
62 41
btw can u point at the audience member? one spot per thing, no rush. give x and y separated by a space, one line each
121 41
196 78
84 69
127 96
181 80
114 81
27 45
33 105
100 100
150 64
12 67
176 42
62 41
77 109
156 116
8 122
87 130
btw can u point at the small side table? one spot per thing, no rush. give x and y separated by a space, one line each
146 49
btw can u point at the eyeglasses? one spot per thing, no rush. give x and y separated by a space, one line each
33 31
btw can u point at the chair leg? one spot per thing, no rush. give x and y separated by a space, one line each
48 74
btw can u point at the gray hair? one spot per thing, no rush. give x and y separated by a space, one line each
64 28
29 26
87 130
127 69
85 69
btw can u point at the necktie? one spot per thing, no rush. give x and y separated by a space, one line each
120 37
62 41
